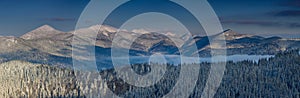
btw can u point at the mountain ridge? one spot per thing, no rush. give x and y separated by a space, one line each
44 31
57 45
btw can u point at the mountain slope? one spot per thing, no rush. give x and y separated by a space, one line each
13 44
248 44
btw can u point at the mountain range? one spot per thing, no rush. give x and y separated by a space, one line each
48 45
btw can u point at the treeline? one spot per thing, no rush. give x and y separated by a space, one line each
275 77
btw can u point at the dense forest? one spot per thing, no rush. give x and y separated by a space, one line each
275 77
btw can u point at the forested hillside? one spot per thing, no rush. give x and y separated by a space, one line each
274 77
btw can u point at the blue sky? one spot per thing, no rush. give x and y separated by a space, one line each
261 17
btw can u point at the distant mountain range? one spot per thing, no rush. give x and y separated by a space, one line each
48 45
